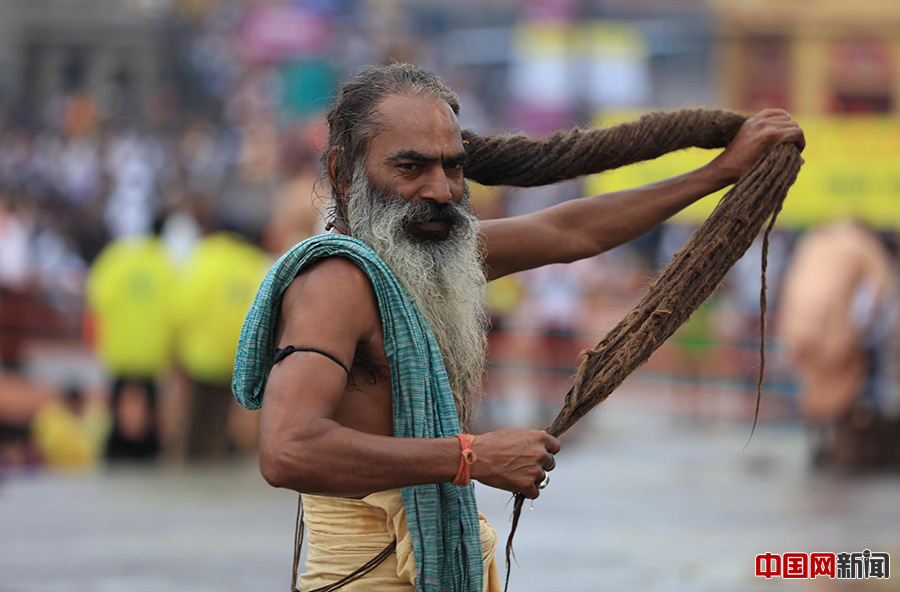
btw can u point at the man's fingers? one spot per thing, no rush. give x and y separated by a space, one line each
773 112
552 464
551 444
790 132
799 138
534 489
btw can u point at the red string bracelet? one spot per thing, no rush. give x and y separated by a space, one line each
467 459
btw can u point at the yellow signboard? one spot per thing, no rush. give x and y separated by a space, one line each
851 170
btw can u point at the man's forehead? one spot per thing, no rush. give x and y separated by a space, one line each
419 123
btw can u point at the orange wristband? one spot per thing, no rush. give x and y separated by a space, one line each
467 459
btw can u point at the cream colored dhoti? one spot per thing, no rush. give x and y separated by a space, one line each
344 533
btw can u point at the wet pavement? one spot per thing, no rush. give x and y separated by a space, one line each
638 502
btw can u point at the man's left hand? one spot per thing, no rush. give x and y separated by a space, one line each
759 134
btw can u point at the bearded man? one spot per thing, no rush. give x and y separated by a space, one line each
378 336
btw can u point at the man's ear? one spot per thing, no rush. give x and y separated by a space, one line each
339 184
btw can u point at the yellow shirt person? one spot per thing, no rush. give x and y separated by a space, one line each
131 293
218 285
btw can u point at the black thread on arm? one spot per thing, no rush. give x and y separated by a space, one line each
283 352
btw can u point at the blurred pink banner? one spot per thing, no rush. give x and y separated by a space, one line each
273 32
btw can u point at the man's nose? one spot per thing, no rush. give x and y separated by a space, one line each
437 187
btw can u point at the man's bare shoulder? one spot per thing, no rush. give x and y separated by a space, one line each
332 271
333 291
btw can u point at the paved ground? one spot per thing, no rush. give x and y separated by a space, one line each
638 502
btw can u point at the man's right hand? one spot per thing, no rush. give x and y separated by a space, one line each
515 460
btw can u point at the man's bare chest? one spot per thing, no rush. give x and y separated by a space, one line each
366 404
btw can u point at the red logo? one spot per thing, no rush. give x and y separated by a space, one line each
768 565
796 565
842 566
822 564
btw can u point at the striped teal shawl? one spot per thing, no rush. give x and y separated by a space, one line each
442 518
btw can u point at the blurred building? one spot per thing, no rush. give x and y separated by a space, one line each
107 48
821 57
836 67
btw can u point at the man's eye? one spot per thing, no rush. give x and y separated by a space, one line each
454 166
408 166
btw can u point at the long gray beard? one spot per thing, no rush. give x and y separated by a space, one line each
445 278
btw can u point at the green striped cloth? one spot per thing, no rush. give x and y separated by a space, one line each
442 518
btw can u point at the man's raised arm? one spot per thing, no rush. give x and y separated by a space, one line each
585 227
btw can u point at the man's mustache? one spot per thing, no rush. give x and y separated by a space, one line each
410 215
418 213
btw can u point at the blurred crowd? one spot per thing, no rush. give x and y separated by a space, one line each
144 240
149 246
